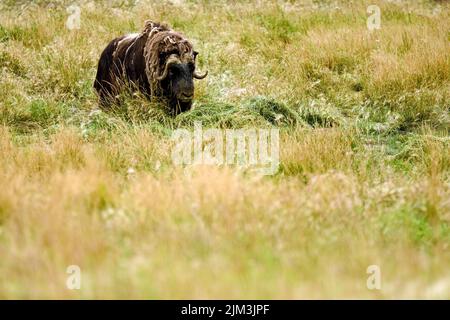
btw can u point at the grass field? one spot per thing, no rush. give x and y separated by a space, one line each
364 178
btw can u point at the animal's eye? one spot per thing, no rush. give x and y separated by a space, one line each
163 56
174 68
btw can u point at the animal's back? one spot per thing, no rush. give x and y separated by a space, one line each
110 66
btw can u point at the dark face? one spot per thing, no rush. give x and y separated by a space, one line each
177 79
179 86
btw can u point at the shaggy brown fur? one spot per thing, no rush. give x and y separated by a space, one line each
158 61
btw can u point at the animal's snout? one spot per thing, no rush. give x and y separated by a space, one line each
187 92
187 95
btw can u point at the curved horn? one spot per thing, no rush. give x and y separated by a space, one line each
171 61
200 76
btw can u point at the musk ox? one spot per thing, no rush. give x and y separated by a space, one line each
158 62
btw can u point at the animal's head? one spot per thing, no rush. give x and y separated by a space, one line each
171 66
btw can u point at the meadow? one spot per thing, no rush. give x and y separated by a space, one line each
364 175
